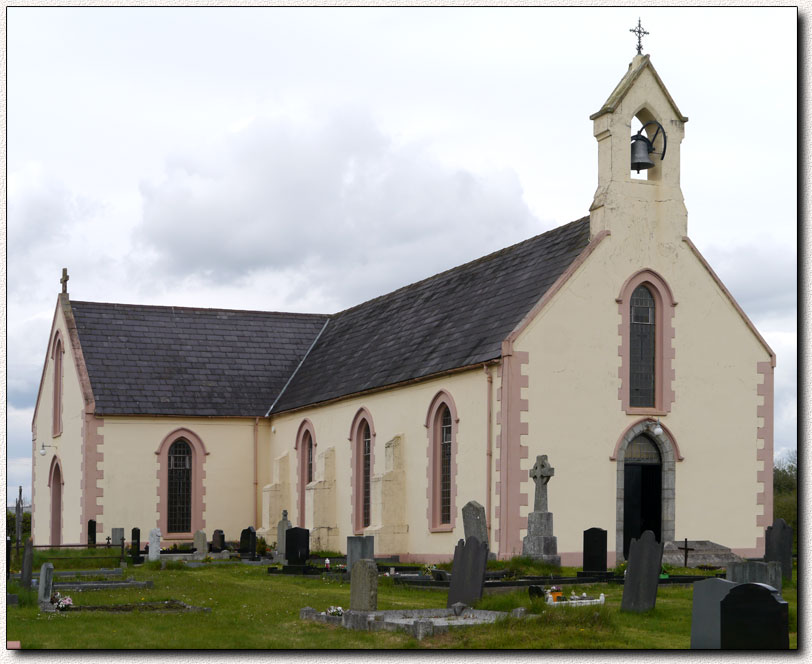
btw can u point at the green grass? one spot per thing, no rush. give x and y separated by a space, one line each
254 610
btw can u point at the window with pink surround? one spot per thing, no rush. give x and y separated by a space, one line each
646 308
181 491
441 424
57 353
362 440
306 457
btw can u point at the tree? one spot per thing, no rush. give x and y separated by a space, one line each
785 491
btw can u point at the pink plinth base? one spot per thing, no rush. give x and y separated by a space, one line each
12 645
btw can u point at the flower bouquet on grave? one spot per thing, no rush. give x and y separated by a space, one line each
554 594
62 603
428 569
335 611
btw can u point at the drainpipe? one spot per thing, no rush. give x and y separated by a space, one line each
256 482
489 438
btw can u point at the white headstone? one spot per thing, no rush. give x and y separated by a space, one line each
155 544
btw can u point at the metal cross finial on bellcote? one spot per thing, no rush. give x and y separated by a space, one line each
639 32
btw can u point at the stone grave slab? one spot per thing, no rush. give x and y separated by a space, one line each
702 553
46 586
642 574
201 544
778 546
117 536
364 586
359 547
706 611
594 550
154 544
468 572
297 546
754 617
754 571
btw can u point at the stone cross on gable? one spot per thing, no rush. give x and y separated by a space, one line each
64 280
639 32
541 473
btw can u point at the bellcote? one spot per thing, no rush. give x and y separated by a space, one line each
651 201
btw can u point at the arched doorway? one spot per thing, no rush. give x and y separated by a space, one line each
642 491
56 505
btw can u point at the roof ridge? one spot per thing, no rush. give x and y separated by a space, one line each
212 309
481 259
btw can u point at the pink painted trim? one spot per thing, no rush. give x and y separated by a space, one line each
13 645
356 470
91 489
511 450
765 411
730 297
305 427
756 552
199 455
434 433
669 436
56 463
57 353
557 285
665 353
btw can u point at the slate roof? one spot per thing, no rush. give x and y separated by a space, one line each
151 360
454 319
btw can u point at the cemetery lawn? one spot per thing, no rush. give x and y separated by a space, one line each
254 610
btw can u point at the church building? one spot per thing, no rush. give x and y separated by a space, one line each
608 344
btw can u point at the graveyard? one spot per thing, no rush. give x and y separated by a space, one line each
233 600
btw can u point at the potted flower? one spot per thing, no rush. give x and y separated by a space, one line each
555 593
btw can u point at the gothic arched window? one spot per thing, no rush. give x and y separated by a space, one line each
179 483
58 352
442 432
642 348
362 440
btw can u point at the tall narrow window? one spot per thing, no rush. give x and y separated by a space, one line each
179 482
306 447
441 424
445 467
367 440
642 343
57 401
308 442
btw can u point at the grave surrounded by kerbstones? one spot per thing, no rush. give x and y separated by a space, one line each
642 574
755 571
753 616
468 572
778 546
706 611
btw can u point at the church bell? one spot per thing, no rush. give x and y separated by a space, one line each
642 147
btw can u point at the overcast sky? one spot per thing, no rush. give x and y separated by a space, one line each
307 159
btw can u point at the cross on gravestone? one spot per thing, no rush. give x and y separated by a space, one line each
541 472
685 548
468 572
754 617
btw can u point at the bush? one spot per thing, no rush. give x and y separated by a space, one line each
11 526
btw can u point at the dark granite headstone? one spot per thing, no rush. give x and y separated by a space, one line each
135 547
28 565
754 617
297 546
359 547
595 550
218 541
642 574
468 572
705 626
248 543
91 533
778 546
536 592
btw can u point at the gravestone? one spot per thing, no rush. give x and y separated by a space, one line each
755 571
360 547
474 523
46 584
468 572
91 533
540 544
28 565
281 528
218 541
364 586
135 547
536 592
705 625
642 574
594 550
154 544
297 546
248 544
201 544
778 546
754 617
118 536
18 519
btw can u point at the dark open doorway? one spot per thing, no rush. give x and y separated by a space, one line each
642 491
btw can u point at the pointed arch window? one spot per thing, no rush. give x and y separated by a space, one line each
362 441
306 447
57 353
181 489
442 423
179 518
646 308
